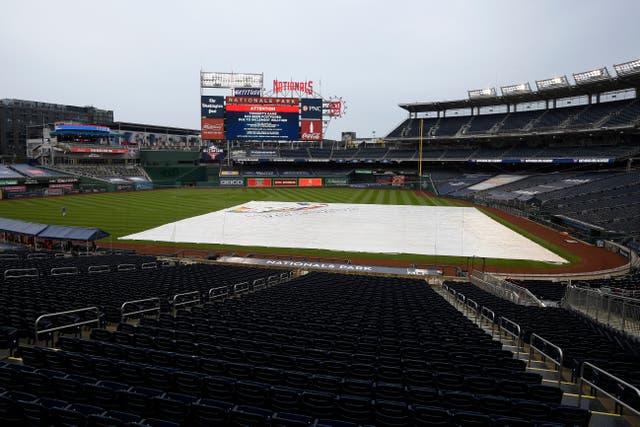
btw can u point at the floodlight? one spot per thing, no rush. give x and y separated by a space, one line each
230 80
592 76
627 68
482 93
552 83
516 89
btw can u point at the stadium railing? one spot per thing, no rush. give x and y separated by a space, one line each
616 311
505 290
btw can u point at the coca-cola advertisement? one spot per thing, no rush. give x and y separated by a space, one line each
311 130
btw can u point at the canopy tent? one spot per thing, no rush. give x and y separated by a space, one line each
56 232
61 232
21 227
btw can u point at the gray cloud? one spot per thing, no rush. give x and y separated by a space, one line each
142 58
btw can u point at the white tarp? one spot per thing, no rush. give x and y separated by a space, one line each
426 230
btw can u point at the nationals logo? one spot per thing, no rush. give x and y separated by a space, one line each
297 207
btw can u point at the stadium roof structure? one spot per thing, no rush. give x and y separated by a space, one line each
588 88
56 232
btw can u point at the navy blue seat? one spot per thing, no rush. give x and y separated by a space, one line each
105 393
207 412
285 399
112 419
285 419
251 393
391 413
242 415
429 416
138 400
74 415
357 409
173 406
319 404
471 419
218 388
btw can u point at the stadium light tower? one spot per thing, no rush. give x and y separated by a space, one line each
628 68
552 83
592 76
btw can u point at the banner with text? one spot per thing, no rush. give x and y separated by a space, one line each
311 130
259 119
259 182
212 129
212 106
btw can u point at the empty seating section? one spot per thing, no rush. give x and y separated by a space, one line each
483 123
583 117
611 202
518 121
627 116
449 126
580 338
322 349
104 171
628 285
47 263
23 299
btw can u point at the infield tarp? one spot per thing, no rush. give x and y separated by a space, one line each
425 230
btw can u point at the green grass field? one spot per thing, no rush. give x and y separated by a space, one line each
125 213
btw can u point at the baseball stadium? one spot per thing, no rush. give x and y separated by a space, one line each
475 266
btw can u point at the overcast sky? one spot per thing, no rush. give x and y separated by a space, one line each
142 58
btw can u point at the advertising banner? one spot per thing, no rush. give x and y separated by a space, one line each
231 182
259 182
212 107
60 185
247 91
99 150
212 129
311 130
259 119
335 182
285 182
15 188
310 182
311 108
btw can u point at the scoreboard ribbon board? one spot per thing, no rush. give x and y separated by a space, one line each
254 118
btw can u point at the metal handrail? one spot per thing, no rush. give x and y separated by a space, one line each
9 256
259 284
28 272
65 271
60 313
214 294
620 384
99 269
517 336
272 280
461 299
194 300
284 277
145 310
543 351
473 306
149 265
37 255
238 290
489 316
126 267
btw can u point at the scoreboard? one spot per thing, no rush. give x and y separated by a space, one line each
254 118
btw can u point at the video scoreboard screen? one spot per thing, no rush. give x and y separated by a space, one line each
254 118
